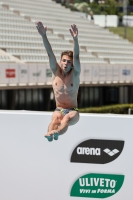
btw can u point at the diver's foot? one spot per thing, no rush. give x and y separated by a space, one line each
56 135
49 137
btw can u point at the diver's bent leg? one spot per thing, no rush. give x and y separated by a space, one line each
53 125
61 129
56 119
70 119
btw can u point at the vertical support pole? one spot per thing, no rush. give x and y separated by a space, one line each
125 14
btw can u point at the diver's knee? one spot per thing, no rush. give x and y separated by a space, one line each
63 131
73 120
56 120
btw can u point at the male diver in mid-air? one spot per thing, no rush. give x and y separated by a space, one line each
65 84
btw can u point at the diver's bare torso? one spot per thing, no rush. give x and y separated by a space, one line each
65 88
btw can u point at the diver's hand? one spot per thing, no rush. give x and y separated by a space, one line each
41 29
74 31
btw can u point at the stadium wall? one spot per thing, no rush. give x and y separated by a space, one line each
128 21
105 20
15 75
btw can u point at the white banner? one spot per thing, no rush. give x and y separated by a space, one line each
102 73
12 73
116 73
3 75
41 73
109 73
132 73
128 73
23 73
87 73
122 74
82 74
48 74
95 74
92 160
33 73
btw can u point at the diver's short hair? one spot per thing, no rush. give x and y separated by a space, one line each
67 53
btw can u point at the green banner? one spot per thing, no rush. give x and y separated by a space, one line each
97 185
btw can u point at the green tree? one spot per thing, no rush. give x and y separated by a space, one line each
79 1
130 2
110 7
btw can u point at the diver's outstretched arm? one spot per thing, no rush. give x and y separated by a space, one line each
52 60
76 61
